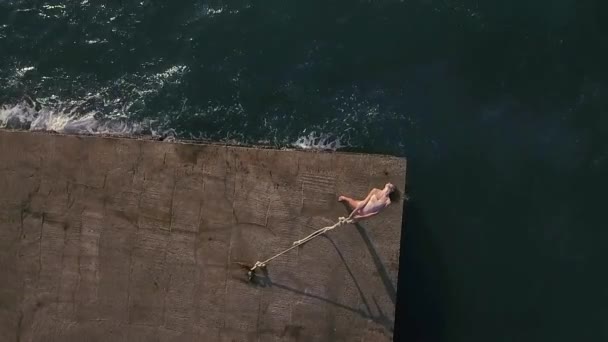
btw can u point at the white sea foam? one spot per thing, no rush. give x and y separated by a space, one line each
64 118
20 72
172 75
211 12
51 7
95 41
122 108
70 118
105 111
323 141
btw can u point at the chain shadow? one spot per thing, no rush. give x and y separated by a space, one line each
386 280
381 318
262 279
384 277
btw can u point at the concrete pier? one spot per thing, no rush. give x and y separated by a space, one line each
108 239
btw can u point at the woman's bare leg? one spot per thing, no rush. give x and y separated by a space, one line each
351 202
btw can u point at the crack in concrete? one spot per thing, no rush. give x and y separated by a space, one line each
135 168
171 204
267 215
60 288
40 248
71 200
129 287
78 282
166 294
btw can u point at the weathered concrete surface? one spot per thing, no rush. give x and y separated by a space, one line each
105 239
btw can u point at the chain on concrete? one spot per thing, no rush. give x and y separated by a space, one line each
341 221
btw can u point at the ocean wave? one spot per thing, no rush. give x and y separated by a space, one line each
322 141
129 106
62 117
105 109
68 118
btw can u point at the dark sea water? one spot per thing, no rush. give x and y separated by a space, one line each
500 108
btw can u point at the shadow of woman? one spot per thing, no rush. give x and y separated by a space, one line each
262 279
384 276
386 280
